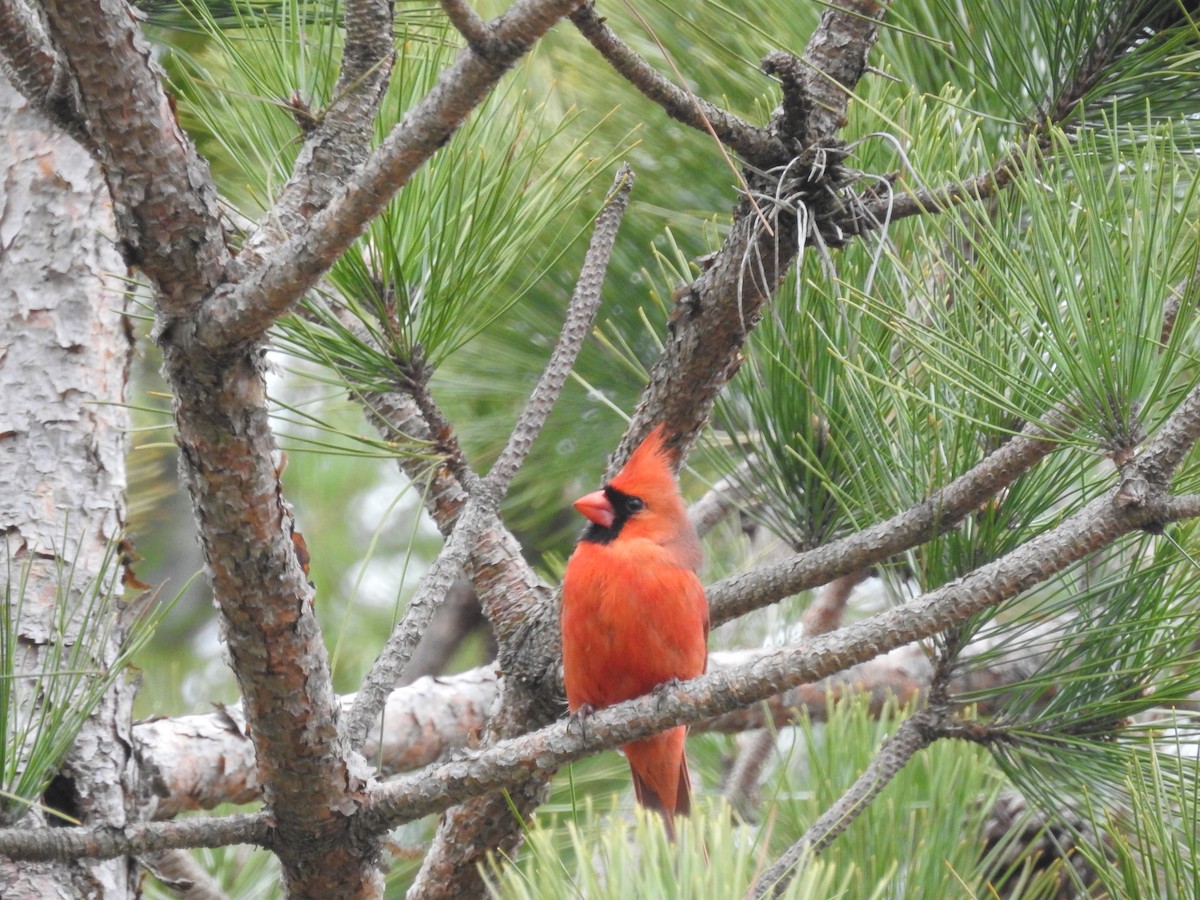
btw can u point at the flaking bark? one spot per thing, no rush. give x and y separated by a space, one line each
63 440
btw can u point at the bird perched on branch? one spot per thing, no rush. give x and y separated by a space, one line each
634 615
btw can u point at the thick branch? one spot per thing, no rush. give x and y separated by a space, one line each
266 616
199 762
714 314
833 62
163 195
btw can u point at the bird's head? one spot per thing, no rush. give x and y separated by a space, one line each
642 501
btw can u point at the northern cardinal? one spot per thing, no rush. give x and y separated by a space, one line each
634 615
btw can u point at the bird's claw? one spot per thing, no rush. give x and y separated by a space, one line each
663 688
579 718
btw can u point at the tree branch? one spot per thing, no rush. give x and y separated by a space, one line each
914 734
182 873
266 616
190 763
581 314
870 209
341 138
467 22
718 502
459 616
1122 33
199 762
741 593
433 717
163 196
755 145
714 314
1183 291
37 70
496 565
108 841
1174 440
238 315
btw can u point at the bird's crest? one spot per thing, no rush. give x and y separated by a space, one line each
649 473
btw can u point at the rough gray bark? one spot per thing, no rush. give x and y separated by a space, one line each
63 367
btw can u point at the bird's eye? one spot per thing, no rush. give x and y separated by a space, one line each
633 504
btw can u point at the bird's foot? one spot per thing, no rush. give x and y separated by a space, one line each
663 688
579 718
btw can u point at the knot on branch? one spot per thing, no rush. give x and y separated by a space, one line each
810 190
1132 493
791 119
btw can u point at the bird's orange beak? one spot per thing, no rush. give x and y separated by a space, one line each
596 508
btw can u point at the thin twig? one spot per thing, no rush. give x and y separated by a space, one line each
1174 301
458 618
741 786
825 613
386 670
943 510
581 314
914 734
182 873
718 502
756 145
868 210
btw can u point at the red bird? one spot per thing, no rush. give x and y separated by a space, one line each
634 615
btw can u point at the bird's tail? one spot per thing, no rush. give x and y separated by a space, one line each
660 775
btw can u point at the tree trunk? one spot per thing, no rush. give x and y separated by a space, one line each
64 364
